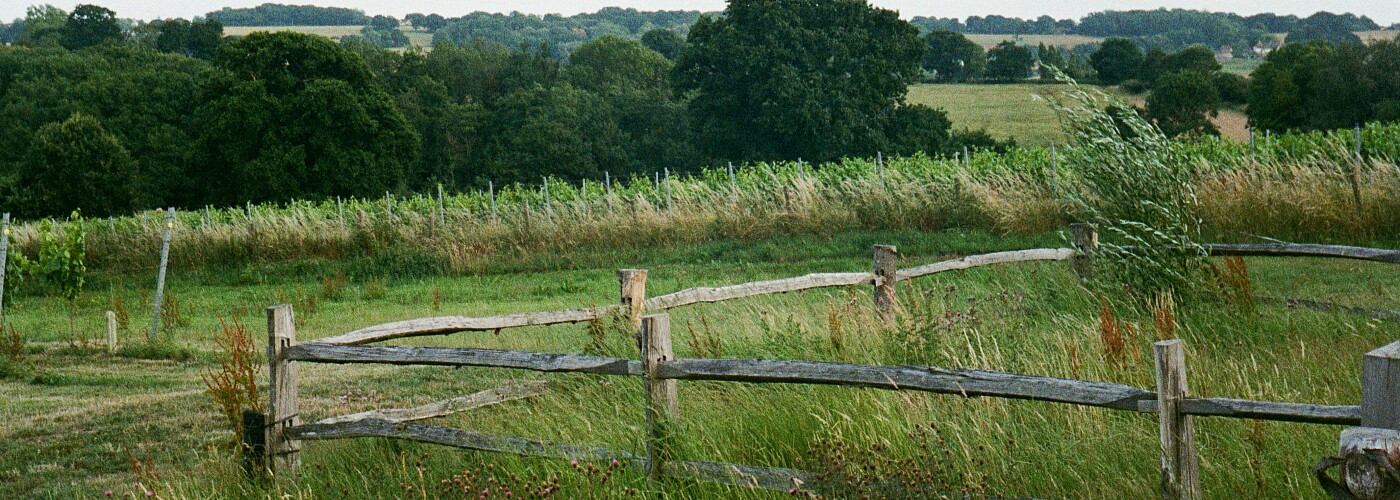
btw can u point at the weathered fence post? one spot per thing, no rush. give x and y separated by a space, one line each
254 443
160 275
662 407
1085 240
1180 469
1370 454
886 267
285 453
111 332
633 297
4 255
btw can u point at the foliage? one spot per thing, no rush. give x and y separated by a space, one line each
291 114
1317 85
772 79
200 39
1173 29
1137 192
90 25
383 38
952 57
559 35
1008 62
75 163
270 14
1183 103
664 42
43 26
1323 26
1232 88
1117 59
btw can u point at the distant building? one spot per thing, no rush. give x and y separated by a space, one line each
1225 54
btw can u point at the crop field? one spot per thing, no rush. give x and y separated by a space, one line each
79 421
1006 111
419 38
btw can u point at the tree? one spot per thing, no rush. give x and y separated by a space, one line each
783 79
434 22
1323 26
1193 58
76 164
90 25
1317 85
417 20
295 115
1009 62
1051 59
952 57
664 42
1116 60
43 26
1183 103
613 64
1233 89
384 23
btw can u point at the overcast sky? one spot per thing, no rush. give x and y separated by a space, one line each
1385 12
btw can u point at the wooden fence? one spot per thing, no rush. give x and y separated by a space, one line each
283 432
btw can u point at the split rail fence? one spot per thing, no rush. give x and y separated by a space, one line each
283 431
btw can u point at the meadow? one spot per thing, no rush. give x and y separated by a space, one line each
418 38
1006 111
79 422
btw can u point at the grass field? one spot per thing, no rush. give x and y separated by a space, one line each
1006 111
76 420
419 38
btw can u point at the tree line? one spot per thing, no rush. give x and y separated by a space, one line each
123 121
1164 29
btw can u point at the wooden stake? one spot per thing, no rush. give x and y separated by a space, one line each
285 453
668 188
160 275
442 209
886 268
1368 455
1180 470
4 255
111 332
661 403
633 296
607 190
491 189
340 210
1086 241
1356 171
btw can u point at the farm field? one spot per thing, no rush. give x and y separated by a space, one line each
93 415
1006 111
419 38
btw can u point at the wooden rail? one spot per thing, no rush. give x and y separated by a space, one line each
1304 250
972 261
443 325
460 356
706 295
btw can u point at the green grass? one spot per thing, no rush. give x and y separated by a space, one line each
71 424
419 38
1006 111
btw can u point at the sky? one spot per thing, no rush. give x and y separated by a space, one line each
1384 12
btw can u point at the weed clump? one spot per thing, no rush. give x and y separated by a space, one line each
234 385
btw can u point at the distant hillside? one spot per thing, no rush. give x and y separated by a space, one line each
271 14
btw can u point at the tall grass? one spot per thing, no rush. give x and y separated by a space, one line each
1296 187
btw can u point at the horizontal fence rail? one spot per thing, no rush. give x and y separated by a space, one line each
1304 250
707 295
462 356
443 325
972 261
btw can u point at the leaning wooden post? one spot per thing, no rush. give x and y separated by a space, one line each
111 332
633 297
662 407
1181 474
285 453
1086 241
886 267
160 275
